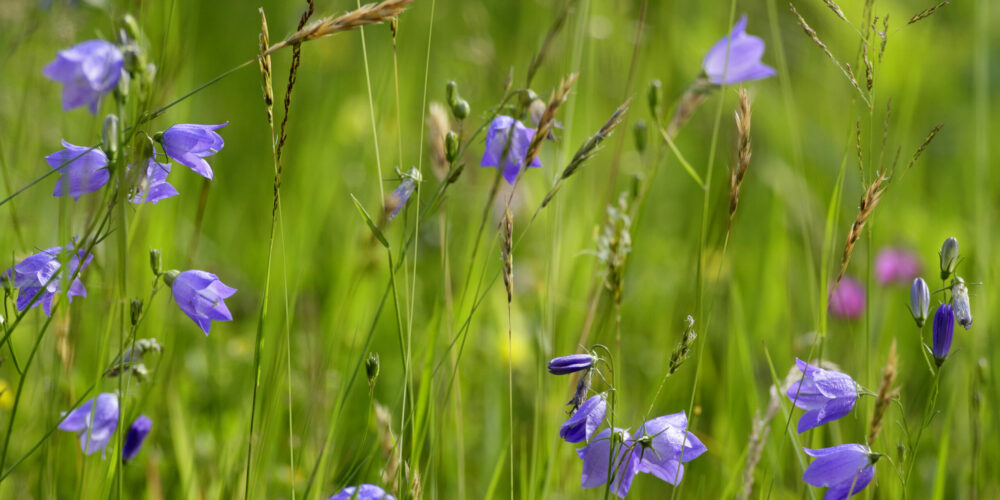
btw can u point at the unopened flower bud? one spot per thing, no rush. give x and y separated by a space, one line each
451 146
155 261
460 109
131 26
944 327
655 97
949 257
135 311
572 363
920 300
451 92
110 136
535 110
641 135
170 276
371 368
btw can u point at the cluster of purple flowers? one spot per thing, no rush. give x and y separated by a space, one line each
659 447
38 277
95 422
948 313
363 492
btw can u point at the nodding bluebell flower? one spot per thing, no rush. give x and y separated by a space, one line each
42 272
499 140
665 443
200 295
94 422
960 302
363 492
88 71
743 63
572 363
895 265
135 437
189 144
597 467
949 257
585 421
944 327
920 300
399 196
847 299
846 469
153 185
826 395
82 170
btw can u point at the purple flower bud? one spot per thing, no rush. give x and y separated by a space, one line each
363 492
846 469
572 363
153 185
82 170
944 327
826 395
135 437
920 300
93 425
189 144
582 425
743 63
200 295
42 272
88 71
516 147
895 265
597 466
847 300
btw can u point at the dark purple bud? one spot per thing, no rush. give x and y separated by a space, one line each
572 363
944 327
135 437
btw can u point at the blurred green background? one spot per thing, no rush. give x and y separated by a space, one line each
762 294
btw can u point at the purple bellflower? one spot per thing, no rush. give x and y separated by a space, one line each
189 144
363 492
200 295
826 395
37 275
93 424
743 62
499 140
664 444
585 421
399 196
944 327
82 170
572 363
135 437
847 300
920 300
846 469
88 71
596 467
896 265
153 185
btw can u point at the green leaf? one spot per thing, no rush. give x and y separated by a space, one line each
371 224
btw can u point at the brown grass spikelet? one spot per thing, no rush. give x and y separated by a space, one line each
926 12
923 145
548 118
743 152
868 203
507 254
885 393
438 126
835 8
844 68
363 16
264 62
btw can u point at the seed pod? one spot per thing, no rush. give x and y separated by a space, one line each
460 109
451 146
135 311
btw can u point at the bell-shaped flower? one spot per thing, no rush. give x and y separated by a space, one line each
363 492
665 444
82 170
826 395
585 421
742 64
153 185
200 295
846 469
41 274
598 467
507 142
88 71
94 422
189 144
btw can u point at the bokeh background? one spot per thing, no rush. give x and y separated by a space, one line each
763 293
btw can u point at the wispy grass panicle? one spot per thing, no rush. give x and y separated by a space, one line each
923 145
546 122
438 126
924 14
264 62
683 348
688 104
870 200
886 393
743 153
844 68
758 438
614 243
363 16
507 253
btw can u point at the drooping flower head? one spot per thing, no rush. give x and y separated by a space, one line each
135 437
826 395
82 170
94 422
896 265
944 327
189 144
847 300
506 134
846 469
88 71
597 467
960 302
153 185
743 62
200 295
572 363
42 274
399 196
665 443
585 421
363 492
920 300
